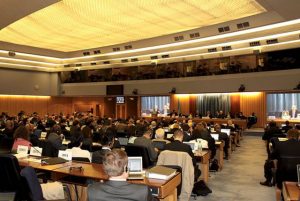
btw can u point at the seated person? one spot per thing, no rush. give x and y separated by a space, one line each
286 127
146 141
178 145
251 120
117 188
271 131
283 149
224 137
87 141
55 138
107 142
160 135
21 137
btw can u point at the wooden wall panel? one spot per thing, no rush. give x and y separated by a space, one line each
110 107
183 101
90 103
254 102
131 106
235 103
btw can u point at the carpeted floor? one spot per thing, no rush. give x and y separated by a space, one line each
240 177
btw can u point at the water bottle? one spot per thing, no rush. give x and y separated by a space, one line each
199 145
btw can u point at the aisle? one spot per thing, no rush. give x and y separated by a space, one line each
239 180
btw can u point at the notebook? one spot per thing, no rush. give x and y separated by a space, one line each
215 136
135 168
123 141
298 173
227 131
53 161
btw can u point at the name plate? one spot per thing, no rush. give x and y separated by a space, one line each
36 151
22 150
67 155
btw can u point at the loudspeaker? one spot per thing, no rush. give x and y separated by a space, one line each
173 91
135 92
242 88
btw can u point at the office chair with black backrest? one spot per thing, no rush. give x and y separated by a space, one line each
5 144
287 169
134 150
10 177
49 149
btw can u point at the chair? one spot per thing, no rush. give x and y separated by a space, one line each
183 160
34 188
10 177
5 144
287 169
49 150
134 150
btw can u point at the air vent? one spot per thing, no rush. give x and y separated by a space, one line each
272 41
11 54
106 62
255 43
124 60
97 51
212 49
134 59
153 57
115 49
78 65
226 48
86 53
94 63
195 35
67 65
243 25
128 47
165 56
224 29
178 38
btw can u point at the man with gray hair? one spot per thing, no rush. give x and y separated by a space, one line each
117 188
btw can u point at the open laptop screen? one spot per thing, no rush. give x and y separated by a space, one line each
227 131
135 164
191 144
215 136
123 141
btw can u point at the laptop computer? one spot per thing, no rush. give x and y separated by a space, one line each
135 168
227 131
215 136
298 173
123 141
191 144
169 135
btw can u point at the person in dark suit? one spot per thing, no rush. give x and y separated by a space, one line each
225 138
107 142
178 145
271 131
146 141
117 188
286 127
287 153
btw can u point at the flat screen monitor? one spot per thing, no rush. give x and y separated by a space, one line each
120 99
215 136
191 144
114 90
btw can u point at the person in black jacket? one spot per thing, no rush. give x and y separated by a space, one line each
178 145
287 153
271 131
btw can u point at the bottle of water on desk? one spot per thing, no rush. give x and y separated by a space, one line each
199 145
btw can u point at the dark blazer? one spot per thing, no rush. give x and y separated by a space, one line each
176 145
119 191
142 141
288 155
98 156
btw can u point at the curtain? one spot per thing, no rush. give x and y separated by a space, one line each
213 103
276 103
149 103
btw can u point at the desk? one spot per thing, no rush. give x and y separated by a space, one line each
290 191
204 157
220 153
167 189
241 122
